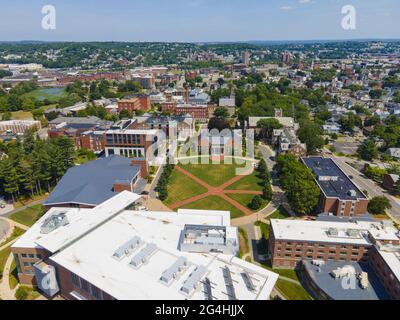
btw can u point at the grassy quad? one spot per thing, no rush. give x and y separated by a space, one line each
214 203
249 182
181 187
245 200
29 215
213 174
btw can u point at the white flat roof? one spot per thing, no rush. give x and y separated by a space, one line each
81 221
91 259
317 231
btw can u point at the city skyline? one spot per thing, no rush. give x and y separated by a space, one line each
199 21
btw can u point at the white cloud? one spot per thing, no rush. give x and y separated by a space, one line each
286 8
305 1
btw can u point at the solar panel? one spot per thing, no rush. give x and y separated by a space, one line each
247 280
208 289
193 280
144 255
172 272
127 248
229 283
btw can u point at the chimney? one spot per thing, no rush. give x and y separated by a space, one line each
142 163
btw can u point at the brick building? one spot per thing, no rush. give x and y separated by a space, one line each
198 112
372 243
111 252
139 102
339 195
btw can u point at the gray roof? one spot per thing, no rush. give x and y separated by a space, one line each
92 183
338 185
333 287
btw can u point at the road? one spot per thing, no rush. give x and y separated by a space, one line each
373 189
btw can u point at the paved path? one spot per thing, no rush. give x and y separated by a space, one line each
4 230
33 203
216 191
6 293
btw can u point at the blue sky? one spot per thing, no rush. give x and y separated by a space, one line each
197 20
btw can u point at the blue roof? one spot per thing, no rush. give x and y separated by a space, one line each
92 183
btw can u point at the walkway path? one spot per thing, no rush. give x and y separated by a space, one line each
216 191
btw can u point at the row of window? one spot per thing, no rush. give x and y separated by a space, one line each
87 287
123 139
31 256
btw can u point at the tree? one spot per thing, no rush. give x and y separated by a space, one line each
310 134
267 126
255 203
378 205
299 184
221 112
368 150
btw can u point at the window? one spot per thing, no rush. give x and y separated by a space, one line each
85 285
31 256
39 256
75 280
95 292
24 255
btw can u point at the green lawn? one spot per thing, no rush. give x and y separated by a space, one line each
214 203
3 259
181 187
21 115
292 291
262 245
16 233
245 200
213 174
29 215
243 242
249 182
13 277
280 213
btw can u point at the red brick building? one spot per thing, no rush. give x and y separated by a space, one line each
139 102
199 112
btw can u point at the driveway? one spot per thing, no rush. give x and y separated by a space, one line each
6 210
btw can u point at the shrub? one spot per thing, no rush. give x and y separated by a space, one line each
22 293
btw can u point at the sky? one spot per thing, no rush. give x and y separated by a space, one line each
197 20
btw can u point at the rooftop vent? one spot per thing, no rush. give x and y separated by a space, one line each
193 280
248 281
127 248
208 289
54 222
172 272
143 256
229 283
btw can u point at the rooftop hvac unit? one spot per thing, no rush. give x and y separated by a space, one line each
144 255
194 278
333 232
353 233
173 271
127 248
54 222
352 193
363 277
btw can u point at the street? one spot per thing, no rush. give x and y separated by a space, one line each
373 189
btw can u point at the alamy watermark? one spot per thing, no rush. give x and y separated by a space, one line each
49 19
349 21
